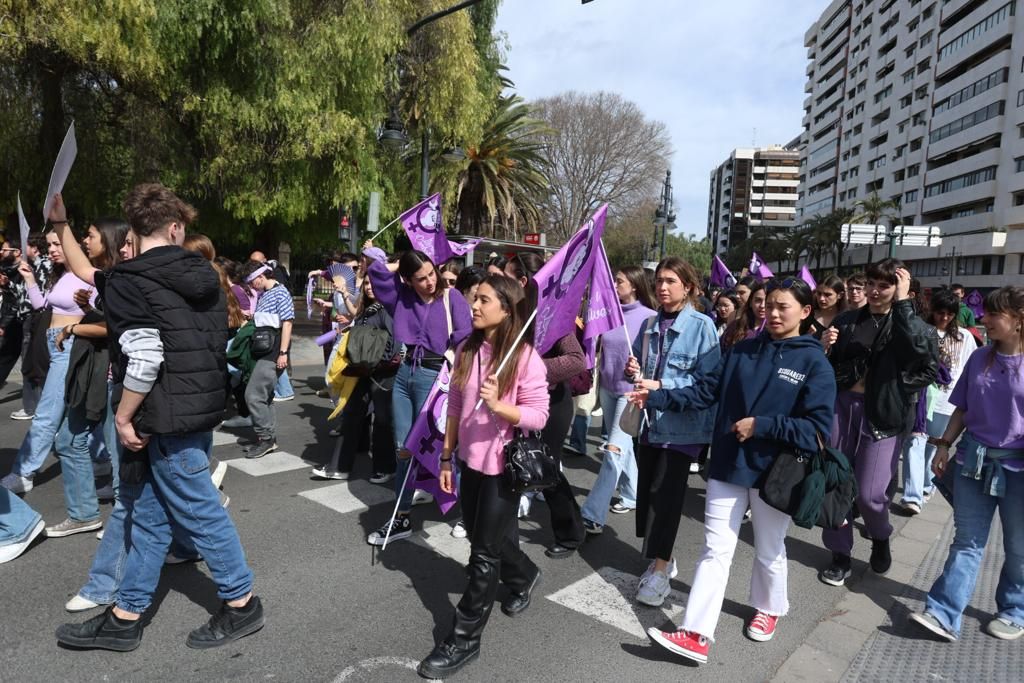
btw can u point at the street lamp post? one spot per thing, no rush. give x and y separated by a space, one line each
664 216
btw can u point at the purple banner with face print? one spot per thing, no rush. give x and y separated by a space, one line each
604 311
426 439
562 283
721 275
975 301
758 268
463 248
423 225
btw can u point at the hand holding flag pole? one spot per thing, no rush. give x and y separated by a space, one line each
501 365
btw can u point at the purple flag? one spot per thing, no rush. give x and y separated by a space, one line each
562 282
309 297
758 268
426 439
463 248
604 312
805 275
721 275
423 225
975 301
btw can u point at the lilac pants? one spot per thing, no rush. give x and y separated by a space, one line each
874 465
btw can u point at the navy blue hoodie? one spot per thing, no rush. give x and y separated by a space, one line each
786 385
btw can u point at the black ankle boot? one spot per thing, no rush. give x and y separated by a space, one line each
516 603
881 556
446 659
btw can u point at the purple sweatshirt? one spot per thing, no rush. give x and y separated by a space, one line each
615 348
418 323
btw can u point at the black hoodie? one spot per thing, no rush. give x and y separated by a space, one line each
176 293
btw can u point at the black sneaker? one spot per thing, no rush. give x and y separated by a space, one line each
447 658
227 625
838 571
881 556
400 528
102 632
260 448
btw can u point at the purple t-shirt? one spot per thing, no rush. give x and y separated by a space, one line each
992 398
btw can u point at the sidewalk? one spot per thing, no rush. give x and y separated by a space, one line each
869 636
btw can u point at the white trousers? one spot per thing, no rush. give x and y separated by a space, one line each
723 514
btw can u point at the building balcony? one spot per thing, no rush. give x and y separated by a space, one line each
966 195
965 137
978 161
951 7
994 63
1013 218
978 44
955 226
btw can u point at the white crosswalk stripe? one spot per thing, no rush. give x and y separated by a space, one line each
438 537
349 496
274 463
224 439
607 595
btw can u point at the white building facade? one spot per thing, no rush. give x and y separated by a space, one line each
922 101
753 194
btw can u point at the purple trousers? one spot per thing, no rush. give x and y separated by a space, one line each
874 465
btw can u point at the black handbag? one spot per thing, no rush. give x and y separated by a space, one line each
782 486
815 489
264 341
528 464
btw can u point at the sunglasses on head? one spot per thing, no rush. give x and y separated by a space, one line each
785 284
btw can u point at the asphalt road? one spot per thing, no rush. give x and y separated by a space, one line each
337 611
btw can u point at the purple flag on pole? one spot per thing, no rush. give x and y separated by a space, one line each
758 268
721 275
975 301
309 297
463 248
423 225
562 282
805 275
426 439
604 312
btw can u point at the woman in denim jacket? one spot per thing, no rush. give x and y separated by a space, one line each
669 347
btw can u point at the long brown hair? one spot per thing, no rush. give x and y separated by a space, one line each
638 279
1009 301
687 275
513 300
202 245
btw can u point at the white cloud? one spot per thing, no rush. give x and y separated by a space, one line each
712 71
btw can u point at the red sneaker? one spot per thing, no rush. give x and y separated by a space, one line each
690 645
762 627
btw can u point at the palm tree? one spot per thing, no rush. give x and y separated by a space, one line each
873 209
506 176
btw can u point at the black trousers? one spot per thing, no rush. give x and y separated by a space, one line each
489 511
566 520
354 427
10 348
662 478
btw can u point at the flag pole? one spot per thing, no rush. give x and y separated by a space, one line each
398 502
501 365
378 233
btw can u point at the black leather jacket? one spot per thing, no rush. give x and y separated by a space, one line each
903 360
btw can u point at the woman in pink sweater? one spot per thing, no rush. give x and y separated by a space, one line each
516 397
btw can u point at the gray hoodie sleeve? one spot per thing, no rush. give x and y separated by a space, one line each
145 352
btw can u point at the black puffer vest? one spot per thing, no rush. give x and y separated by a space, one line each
182 292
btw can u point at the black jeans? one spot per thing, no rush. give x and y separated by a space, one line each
10 348
354 427
566 520
662 478
489 509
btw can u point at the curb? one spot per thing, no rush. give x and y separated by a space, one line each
829 650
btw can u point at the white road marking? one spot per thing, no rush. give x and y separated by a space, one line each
608 596
268 464
438 537
349 496
374 663
225 439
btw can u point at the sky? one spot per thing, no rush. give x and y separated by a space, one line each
713 71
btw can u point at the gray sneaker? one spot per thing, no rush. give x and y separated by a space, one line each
260 448
72 526
1004 629
930 622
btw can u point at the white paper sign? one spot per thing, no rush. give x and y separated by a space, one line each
61 169
23 224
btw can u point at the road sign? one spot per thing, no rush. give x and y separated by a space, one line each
532 238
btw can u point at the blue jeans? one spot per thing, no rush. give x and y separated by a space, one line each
407 399
283 388
973 510
49 412
917 461
618 469
17 519
178 487
72 446
578 433
113 443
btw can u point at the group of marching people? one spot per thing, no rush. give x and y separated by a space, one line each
164 337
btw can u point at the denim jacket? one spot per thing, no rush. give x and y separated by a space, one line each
691 337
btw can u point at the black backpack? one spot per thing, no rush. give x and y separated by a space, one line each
367 348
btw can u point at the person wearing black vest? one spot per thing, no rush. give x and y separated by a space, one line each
168 329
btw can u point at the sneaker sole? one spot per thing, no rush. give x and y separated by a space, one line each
98 643
22 418
594 531
398 536
81 607
79 530
759 637
436 672
833 582
623 511
655 635
937 630
209 645
260 454
649 601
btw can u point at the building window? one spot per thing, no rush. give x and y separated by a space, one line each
973 119
973 90
925 39
960 182
974 32
910 196
915 144
1020 98
1019 161
913 170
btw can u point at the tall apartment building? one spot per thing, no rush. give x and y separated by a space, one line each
922 101
753 193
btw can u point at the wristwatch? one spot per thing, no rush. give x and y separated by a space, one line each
282 353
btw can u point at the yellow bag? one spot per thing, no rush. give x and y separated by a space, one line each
338 383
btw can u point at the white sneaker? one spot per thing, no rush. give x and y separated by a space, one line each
15 483
524 505
694 467
80 604
459 530
653 589
401 528
13 550
282 399
421 497
99 534
673 570
21 415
